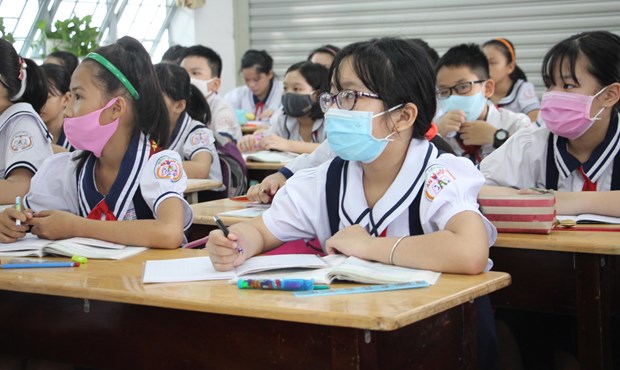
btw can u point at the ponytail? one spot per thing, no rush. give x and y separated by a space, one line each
197 107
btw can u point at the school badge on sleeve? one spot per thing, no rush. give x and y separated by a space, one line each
168 168
437 178
21 141
199 138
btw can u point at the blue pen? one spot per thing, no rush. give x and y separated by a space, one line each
279 284
38 265
18 207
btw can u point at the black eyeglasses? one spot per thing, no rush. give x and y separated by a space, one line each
345 99
460 89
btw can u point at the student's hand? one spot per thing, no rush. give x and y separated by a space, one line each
351 241
275 142
223 250
477 133
267 189
450 122
265 115
54 225
9 232
247 143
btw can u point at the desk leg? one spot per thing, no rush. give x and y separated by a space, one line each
594 310
192 198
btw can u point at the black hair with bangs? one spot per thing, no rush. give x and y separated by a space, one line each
397 70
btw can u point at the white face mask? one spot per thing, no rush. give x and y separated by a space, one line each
202 85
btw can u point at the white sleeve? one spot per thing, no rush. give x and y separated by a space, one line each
516 121
27 146
320 155
54 186
527 98
224 120
234 97
519 162
199 140
163 177
451 187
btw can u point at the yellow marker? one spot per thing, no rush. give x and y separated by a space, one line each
80 259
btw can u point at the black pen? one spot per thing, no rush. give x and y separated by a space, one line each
224 229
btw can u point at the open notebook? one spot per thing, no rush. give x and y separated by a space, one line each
286 266
270 156
85 247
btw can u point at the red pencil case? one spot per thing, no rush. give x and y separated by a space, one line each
531 213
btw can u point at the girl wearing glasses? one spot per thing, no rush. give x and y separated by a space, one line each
298 127
390 195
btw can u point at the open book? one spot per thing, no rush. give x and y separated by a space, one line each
588 218
244 212
270 156
85 247
286 266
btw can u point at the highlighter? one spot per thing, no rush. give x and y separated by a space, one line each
279 284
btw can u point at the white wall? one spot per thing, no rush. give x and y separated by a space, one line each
212 26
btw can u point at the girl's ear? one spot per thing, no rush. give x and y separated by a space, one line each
407 115
179 106
511 67
119 107
65 99
611 95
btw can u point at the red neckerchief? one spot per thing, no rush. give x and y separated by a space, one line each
587 185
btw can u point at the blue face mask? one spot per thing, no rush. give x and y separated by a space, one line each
349 134
471 105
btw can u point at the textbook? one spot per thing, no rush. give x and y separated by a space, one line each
201 268
287 266
353 269
85 247
519 213
269 156
588 218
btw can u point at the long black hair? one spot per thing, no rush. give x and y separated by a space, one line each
508 50
14 70
58 78
129 56
175 82
316 75
601 49
398 71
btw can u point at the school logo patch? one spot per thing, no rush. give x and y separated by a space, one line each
21 141
168 168
199 138
437 178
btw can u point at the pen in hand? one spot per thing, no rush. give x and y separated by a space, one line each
18 207
224 229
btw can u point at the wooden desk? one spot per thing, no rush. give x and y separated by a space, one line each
204 211
565 272
101 316
259 170
196 185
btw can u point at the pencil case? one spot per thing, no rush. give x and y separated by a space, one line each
531 213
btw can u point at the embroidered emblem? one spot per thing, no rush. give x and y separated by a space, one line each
168 168
199 138
437 178
21 141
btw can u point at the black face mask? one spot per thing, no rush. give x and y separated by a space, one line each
296 105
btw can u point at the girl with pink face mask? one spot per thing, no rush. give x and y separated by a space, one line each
578 152
118 121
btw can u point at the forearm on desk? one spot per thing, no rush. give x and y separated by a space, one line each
597 202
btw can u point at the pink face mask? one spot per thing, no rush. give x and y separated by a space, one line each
86 133
568 114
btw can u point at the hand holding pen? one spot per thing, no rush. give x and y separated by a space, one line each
224 248
12 221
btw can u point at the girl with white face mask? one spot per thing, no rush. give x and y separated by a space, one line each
116 119
577 152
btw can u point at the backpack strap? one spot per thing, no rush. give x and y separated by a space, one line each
332 193
552 174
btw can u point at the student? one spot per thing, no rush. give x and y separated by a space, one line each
382 105
174 54
205 69
262 92
53 112
323 55
63 58
512 91
24 140
298 128
577 153
463 90
188 111
116 118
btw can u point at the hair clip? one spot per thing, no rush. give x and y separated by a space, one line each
22 68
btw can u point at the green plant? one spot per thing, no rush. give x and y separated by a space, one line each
5 35
77 35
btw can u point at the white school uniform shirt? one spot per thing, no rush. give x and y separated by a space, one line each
25 141
243 98
58 186
223 117
450 185
521 99
190 137
288 127
500 119
522 161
